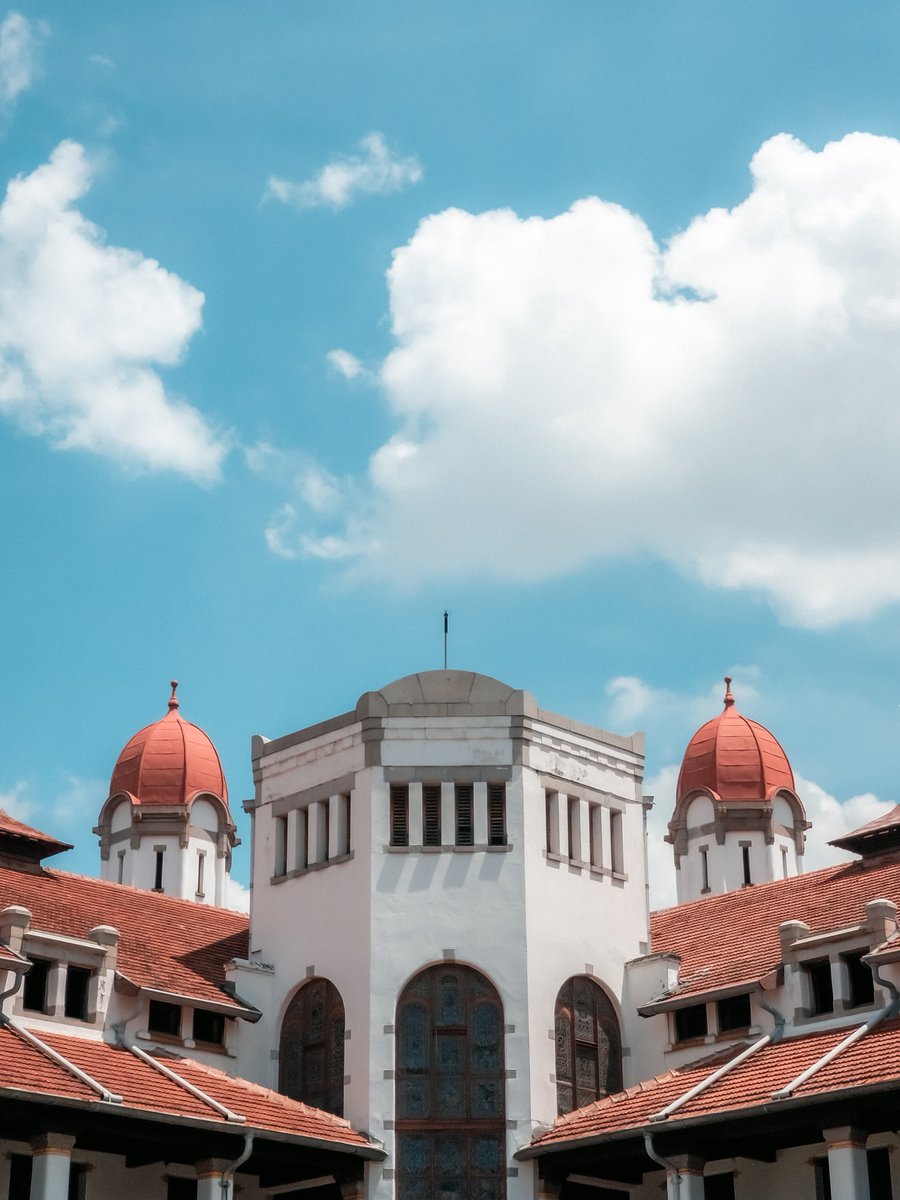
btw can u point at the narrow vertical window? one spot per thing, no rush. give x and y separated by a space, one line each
616 849
552 828
745 862
158 873
823 1179
399 814
19 1176
35 987
784 862
860 984
496 801
572 826
819 986
346 801
465 814
324 830
281 845
201 863
301 849
120 867
431 814
704 867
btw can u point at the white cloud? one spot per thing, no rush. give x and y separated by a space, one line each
15 802
376 170
78 802
729 403
237 896
830 818
83 325
345 363
19 42
633 701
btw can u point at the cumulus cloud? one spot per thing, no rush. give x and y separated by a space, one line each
19 43
727 403
15 801
83 327
830 817
633 700
376 170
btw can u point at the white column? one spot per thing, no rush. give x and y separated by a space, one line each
290 842
56 989
415 814
595 816
50 1166
559 821
316 848
551 799
847 1165
686 1181
301 818
209 1180
337 826
448 814
479 800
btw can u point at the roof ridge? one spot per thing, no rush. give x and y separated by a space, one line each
147 896
795 882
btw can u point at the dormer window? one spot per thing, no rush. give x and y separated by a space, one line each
691 1023
733 1013
860 984
209 1027
819 986
164 1019
35 987
78 982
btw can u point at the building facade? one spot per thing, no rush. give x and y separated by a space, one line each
450 985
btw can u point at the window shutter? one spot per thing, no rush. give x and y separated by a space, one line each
399 814
431 814
465 821
496 799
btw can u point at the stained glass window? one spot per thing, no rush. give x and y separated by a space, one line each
311 1051
588 1044
450 1118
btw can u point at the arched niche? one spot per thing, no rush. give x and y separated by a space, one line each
588 1044
311 1047
450 1116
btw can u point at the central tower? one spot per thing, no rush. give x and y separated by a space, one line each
447 883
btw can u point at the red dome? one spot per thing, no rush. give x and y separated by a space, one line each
169 762
735 758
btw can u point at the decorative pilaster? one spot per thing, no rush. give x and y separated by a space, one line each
847 1165
51 1156
689 1170
209 1178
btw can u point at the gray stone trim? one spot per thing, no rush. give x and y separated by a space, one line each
478 774
312 795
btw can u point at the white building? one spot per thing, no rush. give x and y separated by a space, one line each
450 957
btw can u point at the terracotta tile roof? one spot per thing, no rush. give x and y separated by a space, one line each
24 1067
18 830
725 939
874 1059
165 943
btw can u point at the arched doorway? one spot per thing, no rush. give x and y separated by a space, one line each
311 1048
450 1087
588 1044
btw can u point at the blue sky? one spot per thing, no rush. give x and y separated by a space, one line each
578 319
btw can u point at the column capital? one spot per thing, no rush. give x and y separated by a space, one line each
209 1168
844 1135
52 1143
688 1164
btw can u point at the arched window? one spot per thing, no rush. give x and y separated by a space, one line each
588 1044
311 1051
451 1112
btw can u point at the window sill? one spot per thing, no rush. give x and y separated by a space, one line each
317 866
480 848
577 866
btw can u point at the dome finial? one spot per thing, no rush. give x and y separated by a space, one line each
729 699
173 699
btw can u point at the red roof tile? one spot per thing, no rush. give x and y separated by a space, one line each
874 1059
24 1067
165 943
18 830
722 940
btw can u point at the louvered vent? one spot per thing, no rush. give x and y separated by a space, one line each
465 817
431 814
399 814
496 801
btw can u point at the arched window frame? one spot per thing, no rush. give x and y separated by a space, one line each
588 1044
450 1115
311 1047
